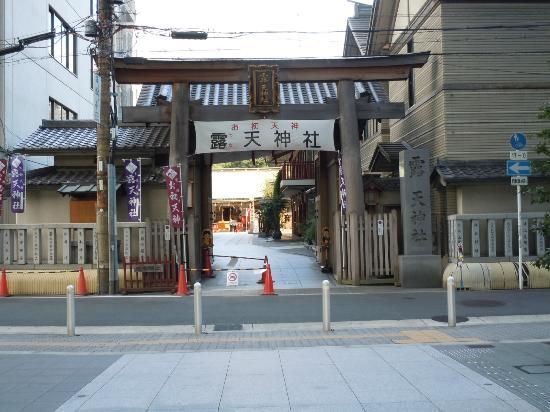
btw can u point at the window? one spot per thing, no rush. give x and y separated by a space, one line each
60 112
410 80
63 45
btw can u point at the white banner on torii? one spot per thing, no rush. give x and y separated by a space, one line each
264 134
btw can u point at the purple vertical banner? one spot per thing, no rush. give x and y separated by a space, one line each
3 172
342 185
132 174
173 186
18 183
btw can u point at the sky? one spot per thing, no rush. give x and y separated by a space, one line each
227 22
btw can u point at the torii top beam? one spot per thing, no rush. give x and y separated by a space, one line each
138 70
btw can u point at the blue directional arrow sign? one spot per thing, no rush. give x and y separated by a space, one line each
518 141
518 167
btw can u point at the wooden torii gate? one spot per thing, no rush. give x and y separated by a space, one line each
345 71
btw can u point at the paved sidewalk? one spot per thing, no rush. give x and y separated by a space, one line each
376 378
292 265
487 364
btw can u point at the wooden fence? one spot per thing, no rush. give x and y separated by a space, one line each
366 248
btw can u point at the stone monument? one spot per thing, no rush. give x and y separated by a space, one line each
418 266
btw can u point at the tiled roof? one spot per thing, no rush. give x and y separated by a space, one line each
84 176
384 184
222 94
49 138
359 28
386 157
459 171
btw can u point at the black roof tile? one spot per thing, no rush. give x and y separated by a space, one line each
51 139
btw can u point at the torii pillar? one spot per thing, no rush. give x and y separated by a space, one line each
351 163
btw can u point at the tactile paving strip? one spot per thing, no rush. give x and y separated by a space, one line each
483 361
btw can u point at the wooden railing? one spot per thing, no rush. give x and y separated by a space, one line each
494 237
61 244
298 171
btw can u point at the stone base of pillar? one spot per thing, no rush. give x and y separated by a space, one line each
420 271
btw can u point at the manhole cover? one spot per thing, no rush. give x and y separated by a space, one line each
220 328
481 303
443 318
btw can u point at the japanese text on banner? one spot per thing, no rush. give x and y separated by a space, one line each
132 174
18 183
173 186
264 134
3 172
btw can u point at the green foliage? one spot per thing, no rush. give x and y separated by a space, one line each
271 208
310 231
247 164
541 194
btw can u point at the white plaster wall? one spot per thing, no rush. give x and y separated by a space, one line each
32 76
493 199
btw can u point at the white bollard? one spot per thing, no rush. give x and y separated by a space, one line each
197 294
451 304
70 311
326 306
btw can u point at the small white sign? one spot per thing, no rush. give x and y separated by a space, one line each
166 232
380 225
519 180
518 155
232 278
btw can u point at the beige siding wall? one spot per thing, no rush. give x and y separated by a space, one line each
424 127
493 199
480 123
405 13
489 56
497 79
424 124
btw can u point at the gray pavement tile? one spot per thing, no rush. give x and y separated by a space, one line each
41 407
461 389
523 406
478 405
336 407
255 409
12 406
423 406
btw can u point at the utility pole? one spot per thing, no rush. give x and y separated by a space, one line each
104 45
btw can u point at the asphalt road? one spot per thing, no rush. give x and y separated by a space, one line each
171 310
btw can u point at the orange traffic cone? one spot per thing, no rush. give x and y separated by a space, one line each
207 265
268 285
81 288
182 282
4 293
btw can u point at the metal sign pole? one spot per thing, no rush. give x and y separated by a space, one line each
520 248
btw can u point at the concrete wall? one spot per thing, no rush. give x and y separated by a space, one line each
493 199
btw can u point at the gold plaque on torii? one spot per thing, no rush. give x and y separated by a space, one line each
263 90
